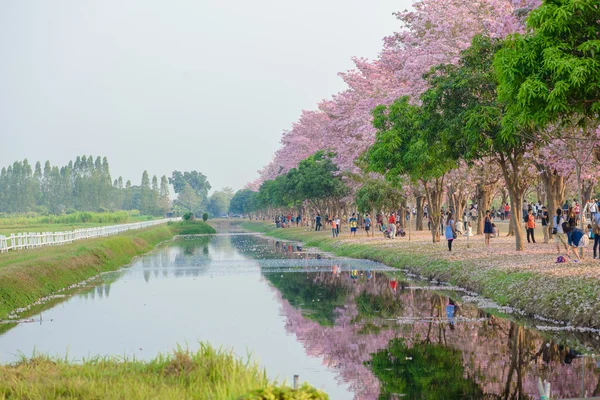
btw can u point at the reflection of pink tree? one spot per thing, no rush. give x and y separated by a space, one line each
503 357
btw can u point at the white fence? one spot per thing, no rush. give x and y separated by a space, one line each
18 241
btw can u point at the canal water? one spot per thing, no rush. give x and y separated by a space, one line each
354 328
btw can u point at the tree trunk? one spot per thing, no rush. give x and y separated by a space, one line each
555 192
434 191
400 214
512 180
419 199
579 193
484 200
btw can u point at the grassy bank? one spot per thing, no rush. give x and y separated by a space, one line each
205 374
26 276
564 292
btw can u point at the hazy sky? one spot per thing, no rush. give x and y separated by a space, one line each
163 85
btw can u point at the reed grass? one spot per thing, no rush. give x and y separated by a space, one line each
208 373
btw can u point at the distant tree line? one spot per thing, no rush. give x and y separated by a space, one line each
315 183
82 185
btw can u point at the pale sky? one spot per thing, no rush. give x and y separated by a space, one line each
202 85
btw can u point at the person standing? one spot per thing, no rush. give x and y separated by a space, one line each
450 231
545 224
318 222
392 224
367 224
576 210
530 226
593 208
334 231
571 224
526 208
506 211
337 226
558 232
596 232
488 229
353 225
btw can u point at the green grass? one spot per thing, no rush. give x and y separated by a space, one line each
205 374
569 299
192 228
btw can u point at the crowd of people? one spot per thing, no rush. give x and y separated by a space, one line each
571 227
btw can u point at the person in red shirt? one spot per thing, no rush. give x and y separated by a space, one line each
392 222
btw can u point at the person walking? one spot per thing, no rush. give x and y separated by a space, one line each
392 224
450 231
530 226
367 224
337 226
558 231
545 224
488 230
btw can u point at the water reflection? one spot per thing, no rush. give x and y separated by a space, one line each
387 340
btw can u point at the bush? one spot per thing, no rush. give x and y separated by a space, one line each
188 216
192 228
204 217
305 392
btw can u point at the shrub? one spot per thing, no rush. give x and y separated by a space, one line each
204 217
305 392
188 216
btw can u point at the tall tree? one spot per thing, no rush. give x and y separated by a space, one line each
164 202
408 142
474 127
145 194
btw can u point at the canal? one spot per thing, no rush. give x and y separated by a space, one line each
354 328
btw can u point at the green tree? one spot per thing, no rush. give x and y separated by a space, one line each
155 196
241 203
552 72
218 203
409 143
145 194
474 124
164 202
188 199
378 195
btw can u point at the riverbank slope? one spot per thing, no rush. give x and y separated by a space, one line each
529 280
28 275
